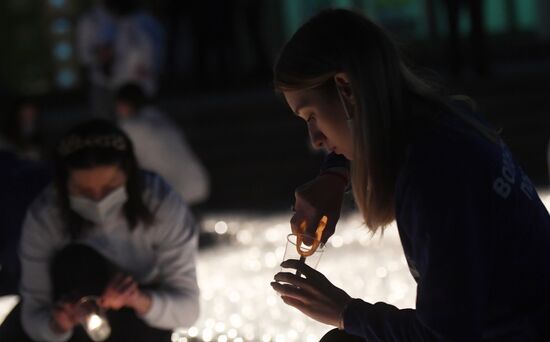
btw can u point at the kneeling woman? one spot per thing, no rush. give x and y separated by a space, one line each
475 233
109 230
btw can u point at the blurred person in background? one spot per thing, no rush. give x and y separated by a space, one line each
20 180
473 229
119 42
159 145
21 129
213 29
23 174
477 37
109 230
252 14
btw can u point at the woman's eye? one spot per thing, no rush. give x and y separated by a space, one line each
309 118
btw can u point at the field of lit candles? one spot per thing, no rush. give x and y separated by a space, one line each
234 272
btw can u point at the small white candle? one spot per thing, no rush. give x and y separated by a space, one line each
94 322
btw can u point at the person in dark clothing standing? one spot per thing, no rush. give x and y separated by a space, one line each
475 233
478 41
21 180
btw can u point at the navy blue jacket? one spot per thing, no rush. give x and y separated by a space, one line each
477 239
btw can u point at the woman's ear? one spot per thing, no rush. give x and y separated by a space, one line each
343 84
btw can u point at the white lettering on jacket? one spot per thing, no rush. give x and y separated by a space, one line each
502 185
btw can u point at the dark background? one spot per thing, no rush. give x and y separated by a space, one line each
216 82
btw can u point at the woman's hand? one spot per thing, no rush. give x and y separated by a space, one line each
141 303
119 293
320 197
123 291
313 295
64 317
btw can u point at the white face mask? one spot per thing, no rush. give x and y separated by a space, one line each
101 211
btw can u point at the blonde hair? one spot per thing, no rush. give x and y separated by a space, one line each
389 99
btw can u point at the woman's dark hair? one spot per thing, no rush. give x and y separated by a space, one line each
390 99
132 93
70 281
122 7
99 143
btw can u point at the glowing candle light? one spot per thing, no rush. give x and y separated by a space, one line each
94 322
236 296
221 227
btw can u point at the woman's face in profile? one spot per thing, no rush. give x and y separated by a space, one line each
325 117
95 183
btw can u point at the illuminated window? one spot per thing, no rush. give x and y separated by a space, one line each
62 51
61 26
57 3
66 78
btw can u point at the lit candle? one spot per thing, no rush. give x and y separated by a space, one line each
93 319
94 322
97 327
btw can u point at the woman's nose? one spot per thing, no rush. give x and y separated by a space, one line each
316 137
96 196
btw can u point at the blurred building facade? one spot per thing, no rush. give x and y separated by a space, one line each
217 81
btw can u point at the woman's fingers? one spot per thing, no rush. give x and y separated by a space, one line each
130 291
119 292
305 220
67 310
121 284
124 284
58 306
289 278
299 225
330 228
304 269
291 291
296 222
315 199
294 303
308 225
311 223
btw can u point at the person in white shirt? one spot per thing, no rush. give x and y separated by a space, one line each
117 42
160 146
109 230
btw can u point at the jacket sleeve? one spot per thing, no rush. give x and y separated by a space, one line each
385 322
175 302
442 211
37 245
